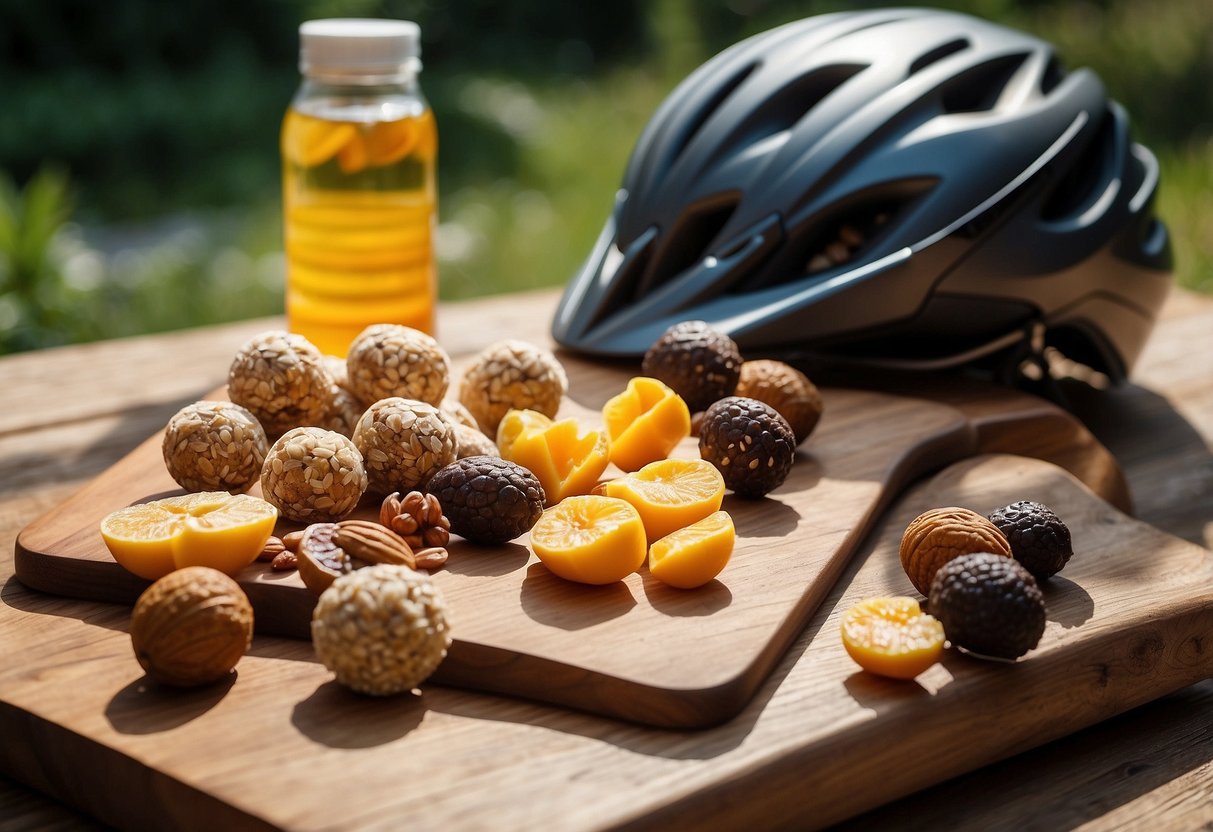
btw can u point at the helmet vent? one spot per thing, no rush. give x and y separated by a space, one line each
706 110
938 54
689 240
978 89
1087 177
782 109
1054 74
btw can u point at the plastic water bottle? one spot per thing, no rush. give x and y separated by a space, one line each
359 147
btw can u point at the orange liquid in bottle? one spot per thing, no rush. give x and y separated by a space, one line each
359 206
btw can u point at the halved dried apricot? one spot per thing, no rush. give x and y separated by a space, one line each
590 539
694 555
644 423
670 494
565 462
892 637
212 528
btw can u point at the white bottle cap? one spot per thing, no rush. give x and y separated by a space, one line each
359 51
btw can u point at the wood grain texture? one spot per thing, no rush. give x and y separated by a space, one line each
635 649
820 741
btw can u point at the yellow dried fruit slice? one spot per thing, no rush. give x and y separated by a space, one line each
590 539
892 637
566 462
308 141
670 494
390 141
644 423
213 528
692 556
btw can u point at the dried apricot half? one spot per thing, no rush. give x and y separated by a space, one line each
892 637
644 423
566 462
694 555
670 494
212 528
590 539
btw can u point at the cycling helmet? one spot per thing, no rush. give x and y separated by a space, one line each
904 187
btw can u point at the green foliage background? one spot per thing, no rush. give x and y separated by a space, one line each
139 160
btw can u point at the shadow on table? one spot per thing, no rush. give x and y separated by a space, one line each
1081 778
145 707
1169 466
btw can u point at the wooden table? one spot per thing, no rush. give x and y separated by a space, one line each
72 412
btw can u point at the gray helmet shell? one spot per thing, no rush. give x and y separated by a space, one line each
905 187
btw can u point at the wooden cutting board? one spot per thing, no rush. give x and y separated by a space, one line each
283 747
636 649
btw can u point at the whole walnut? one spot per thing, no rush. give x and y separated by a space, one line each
191 627
942 534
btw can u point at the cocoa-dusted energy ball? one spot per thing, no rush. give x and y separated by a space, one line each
697 362
281 378
989 605
388 360
488 500
1039 539
381 630
404 443
313 475
214 446
749 443
786 389
512 375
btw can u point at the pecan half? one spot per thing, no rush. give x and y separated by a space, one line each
431 558
273 548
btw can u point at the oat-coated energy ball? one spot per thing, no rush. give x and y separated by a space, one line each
313 475
381 630
404 443
471 442
389 360
512 375
214 446
281 378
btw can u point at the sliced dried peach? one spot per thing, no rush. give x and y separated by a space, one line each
308 141
516 423
352 157
565 463
213 528
892 637
390 141
590 539
694 555
670 494
644 423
